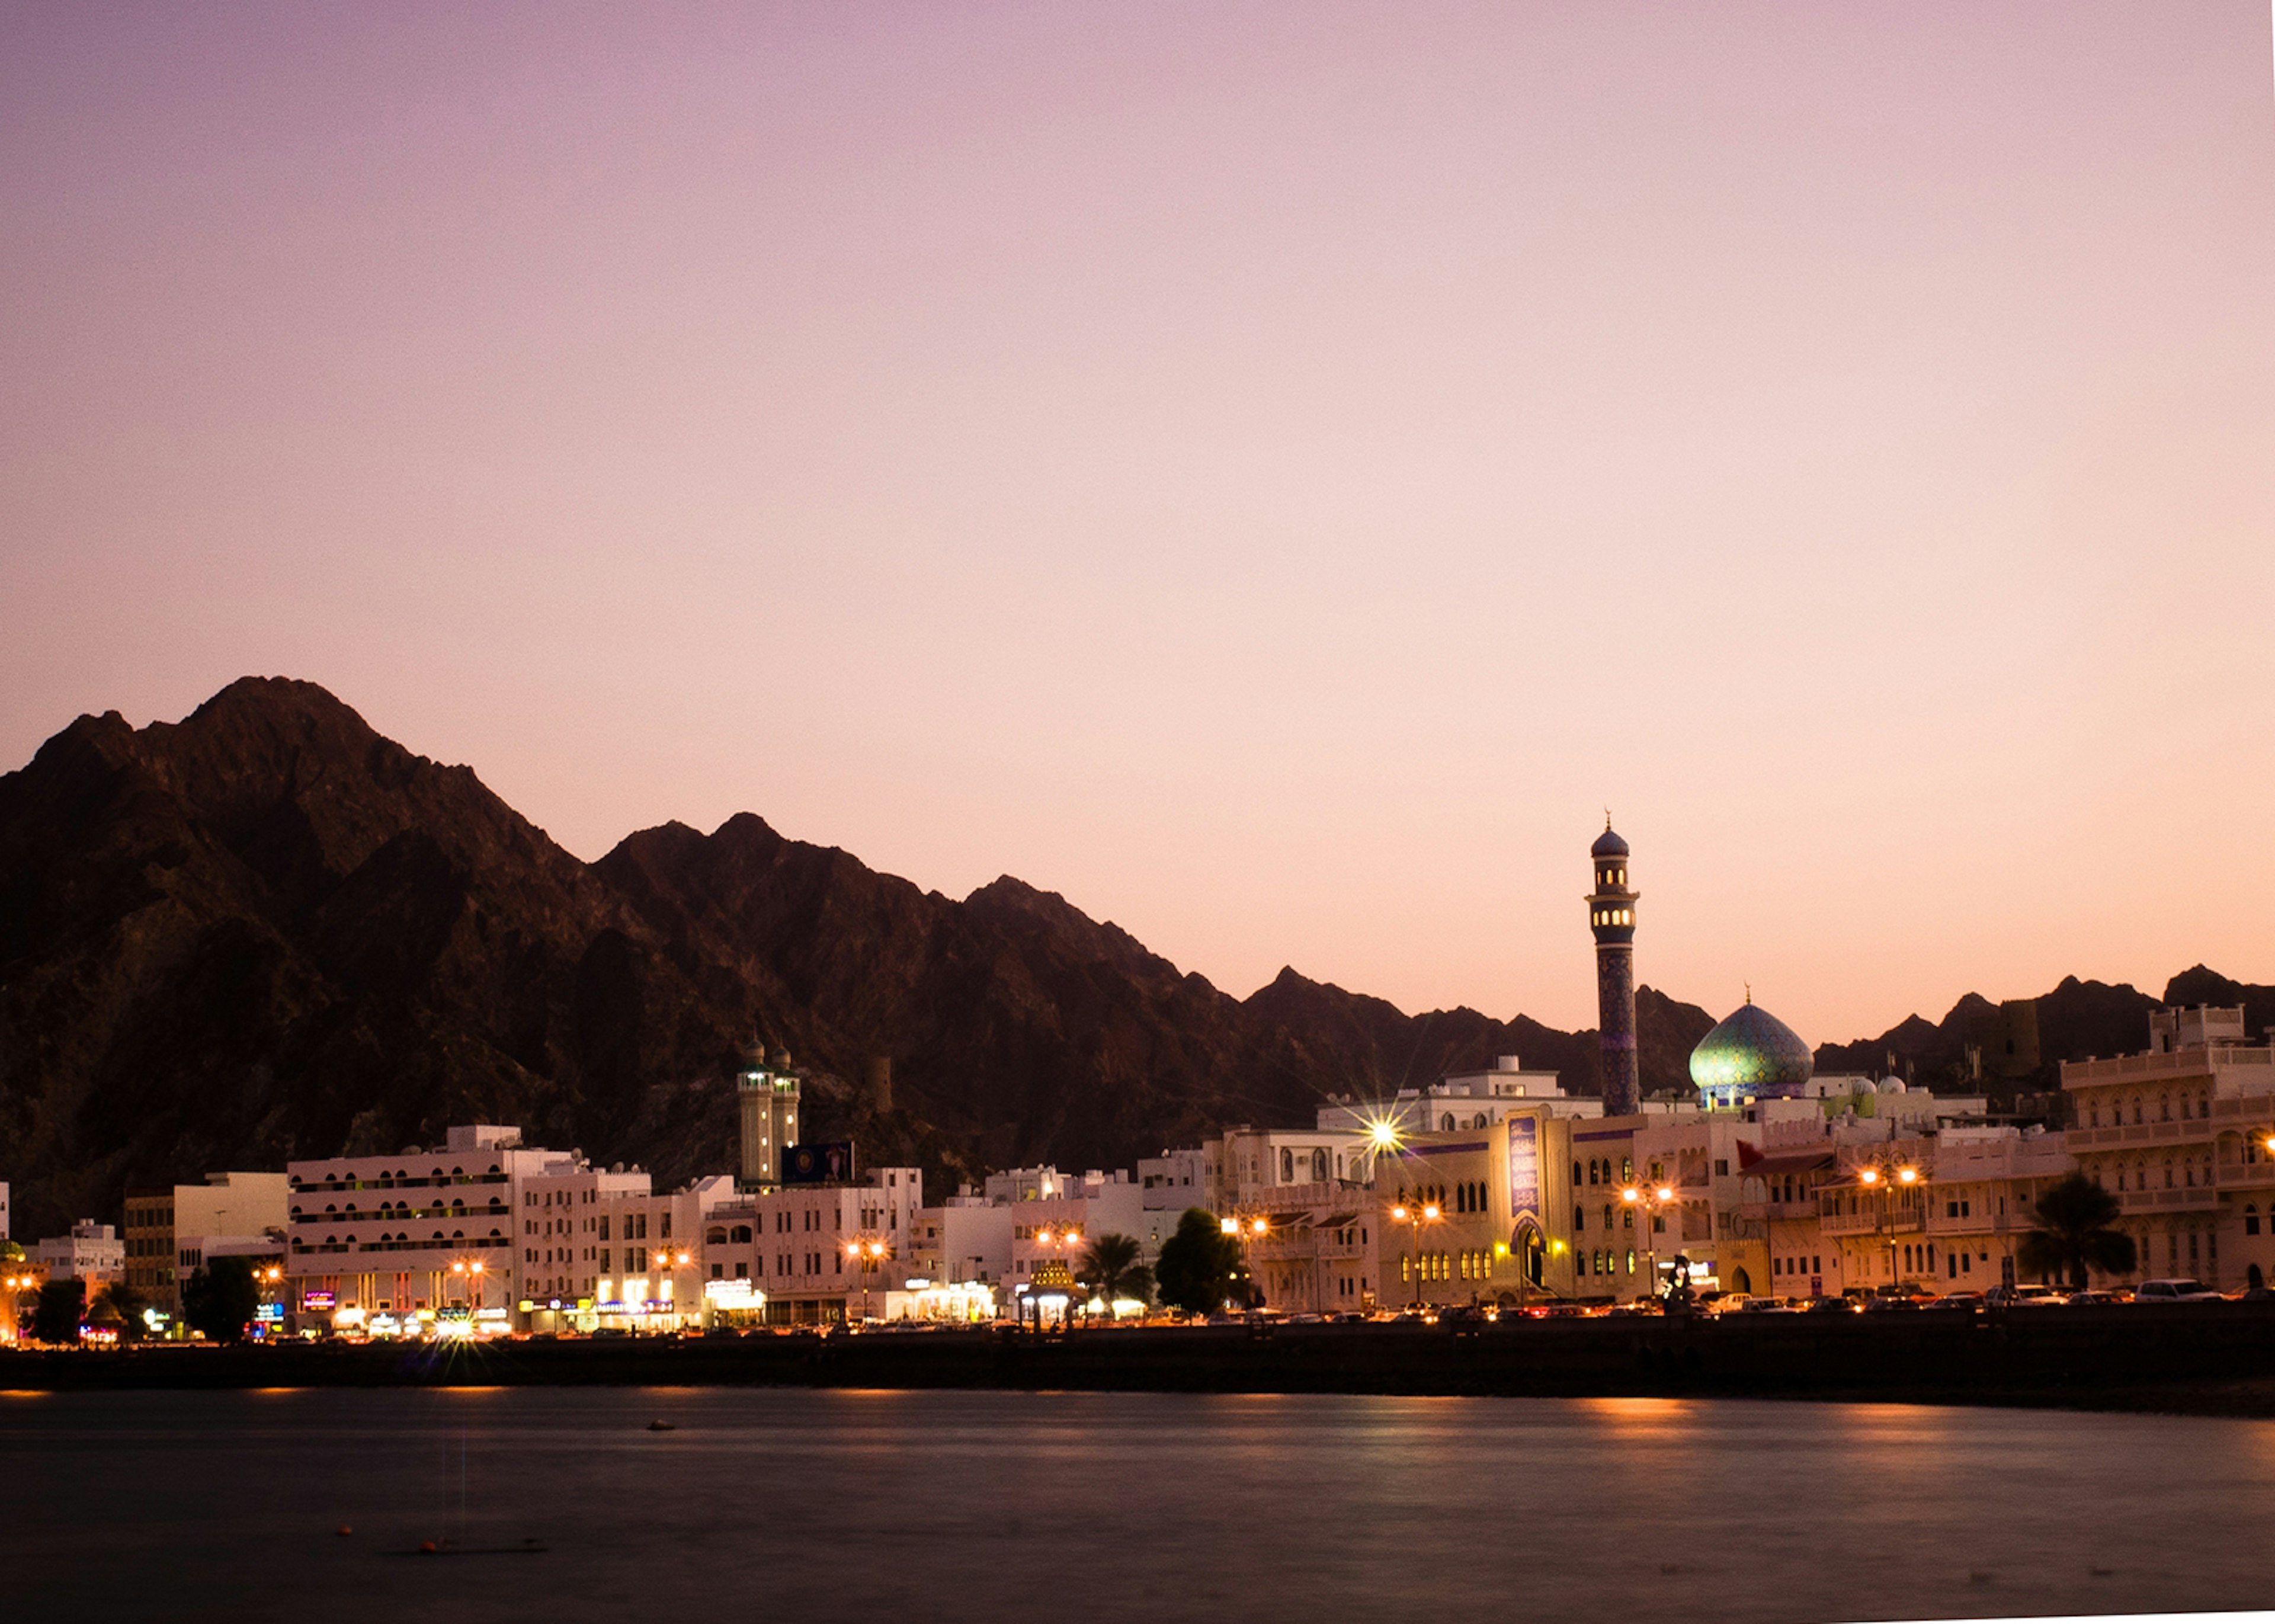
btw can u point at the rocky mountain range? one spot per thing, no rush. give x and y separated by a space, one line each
266 932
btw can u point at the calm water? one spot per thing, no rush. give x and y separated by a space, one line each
769 1504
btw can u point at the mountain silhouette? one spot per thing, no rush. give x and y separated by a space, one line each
266 932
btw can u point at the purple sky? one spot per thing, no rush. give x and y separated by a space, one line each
1270 473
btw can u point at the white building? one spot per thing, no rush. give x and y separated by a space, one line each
965 1240
1459 1102
396 1243
92 1252
3 1211
814 1253
604 1249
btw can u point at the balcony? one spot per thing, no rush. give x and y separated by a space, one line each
2181 1200
1896 1220
1940 1222
1771 1211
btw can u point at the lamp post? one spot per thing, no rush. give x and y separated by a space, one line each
1651 1201
1415 1216
265 1283
1887 1177
469 1273
1244 1230
868 1254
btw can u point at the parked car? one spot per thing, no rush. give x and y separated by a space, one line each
1890 1304
1830 1305
2022 1297
2092 1299
1957 1302
1766 1305
2175 1291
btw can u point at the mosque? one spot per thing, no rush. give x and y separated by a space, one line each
1751 1056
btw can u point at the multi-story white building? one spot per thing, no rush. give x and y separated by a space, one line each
390 1242
92 1253
605 1249
965 1240
816 1253
2183 1135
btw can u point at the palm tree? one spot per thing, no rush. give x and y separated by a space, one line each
1110 1269
2073 1233
124 1304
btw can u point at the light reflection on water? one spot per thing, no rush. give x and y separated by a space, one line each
954 1505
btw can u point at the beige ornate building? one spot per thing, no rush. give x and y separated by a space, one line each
2180 1134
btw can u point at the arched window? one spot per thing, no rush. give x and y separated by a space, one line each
2251 1218
1287 1166
1318 1166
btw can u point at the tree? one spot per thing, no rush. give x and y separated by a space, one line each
2073 1233
1110 1269
125 1304
1198 1264
219 1299
56 1317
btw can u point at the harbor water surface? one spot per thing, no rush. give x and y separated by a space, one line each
580 1503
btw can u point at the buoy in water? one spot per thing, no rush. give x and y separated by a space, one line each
343 1531
426 1547
662 1426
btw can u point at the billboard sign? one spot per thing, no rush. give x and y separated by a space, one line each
830 1162
1524 1168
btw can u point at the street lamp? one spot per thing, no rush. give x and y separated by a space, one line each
470 1271
868 1255
1887 1178
1415 1216
1651 1201
1245 1230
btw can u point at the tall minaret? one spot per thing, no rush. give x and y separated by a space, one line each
1610 915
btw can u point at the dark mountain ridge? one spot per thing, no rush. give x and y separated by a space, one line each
267 931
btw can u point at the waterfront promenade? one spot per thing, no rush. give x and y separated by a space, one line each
2213 1357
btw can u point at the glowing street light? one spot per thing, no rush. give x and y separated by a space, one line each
1651 1200
1886 1177
867 1255
1415 1218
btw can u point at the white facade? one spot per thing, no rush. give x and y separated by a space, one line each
393 1242
605 1249
3 1211
1460 1102
816 1252
966 1238
91 1252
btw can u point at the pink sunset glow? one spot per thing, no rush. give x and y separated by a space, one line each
1270 473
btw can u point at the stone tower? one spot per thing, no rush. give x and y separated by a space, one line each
1610 915
769 1096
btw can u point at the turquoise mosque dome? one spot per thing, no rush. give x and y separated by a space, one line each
1751 1055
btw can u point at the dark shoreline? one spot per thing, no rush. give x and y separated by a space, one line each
2209 1359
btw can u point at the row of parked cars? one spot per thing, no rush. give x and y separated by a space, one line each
1901 1299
